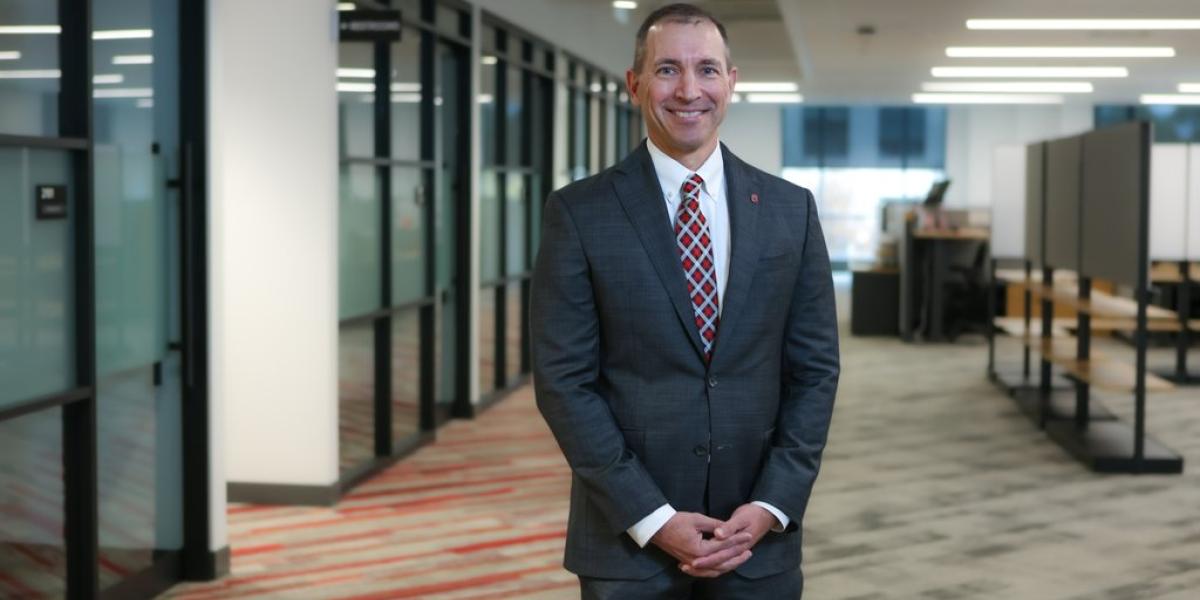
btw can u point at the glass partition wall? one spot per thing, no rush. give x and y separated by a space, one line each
402 117
516 118
101 247
602 126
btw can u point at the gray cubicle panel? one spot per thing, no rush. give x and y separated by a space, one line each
1116 182
1168 201
1008 202
1035 155
1192 242
1063 161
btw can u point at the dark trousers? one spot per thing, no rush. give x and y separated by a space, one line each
673 584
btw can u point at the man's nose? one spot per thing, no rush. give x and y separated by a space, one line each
688 88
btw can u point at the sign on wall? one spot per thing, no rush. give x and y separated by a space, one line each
51 201
369 25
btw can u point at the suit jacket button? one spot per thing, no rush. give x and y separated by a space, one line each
712 382
700 450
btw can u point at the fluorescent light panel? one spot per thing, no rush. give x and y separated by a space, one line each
356 73
109 78
1010 87
767 98
133 59
625 4
31 74
123 34
1059 52
145 103
10 55
1083 24
30 29
1036 72
986 99
765 86
489 60
1189 88
123 93
344 6
367 88
1170 99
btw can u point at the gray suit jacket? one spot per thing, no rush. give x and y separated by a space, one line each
620 376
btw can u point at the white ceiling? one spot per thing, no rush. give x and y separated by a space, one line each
839 65
815 42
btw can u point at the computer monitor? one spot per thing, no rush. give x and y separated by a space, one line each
936 193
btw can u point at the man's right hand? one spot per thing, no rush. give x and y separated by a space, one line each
688 536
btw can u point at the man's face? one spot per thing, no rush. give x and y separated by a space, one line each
684 86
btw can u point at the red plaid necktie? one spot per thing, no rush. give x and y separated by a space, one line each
696 253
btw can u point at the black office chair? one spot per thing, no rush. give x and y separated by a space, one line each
967 290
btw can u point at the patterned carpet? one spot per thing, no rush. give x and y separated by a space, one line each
934 488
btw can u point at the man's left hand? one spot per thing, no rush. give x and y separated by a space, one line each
750 518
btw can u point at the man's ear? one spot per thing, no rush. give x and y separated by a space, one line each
631 85
733 73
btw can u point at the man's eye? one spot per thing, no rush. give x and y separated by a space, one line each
711 71
666 70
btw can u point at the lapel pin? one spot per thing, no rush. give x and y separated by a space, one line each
754 198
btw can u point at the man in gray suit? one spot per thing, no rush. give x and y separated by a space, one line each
685 345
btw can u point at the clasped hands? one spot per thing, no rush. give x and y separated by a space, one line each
707 547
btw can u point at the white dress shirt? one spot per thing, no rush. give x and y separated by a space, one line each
671 175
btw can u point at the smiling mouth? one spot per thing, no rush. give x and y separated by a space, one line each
687 114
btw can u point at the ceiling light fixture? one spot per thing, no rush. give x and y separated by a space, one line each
1170 99
351 86
1036 72
765 86
1009 87
10 55
405 86
30 29
123 93
1083 24
763 98
108 79
345 6
625 4
1059 52
123 34
488 60
356 73
133 59
986 99
31 74
1189 88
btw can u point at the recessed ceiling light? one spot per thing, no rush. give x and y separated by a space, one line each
1038 72
405 86
1083 24
133 59
348 73
624 4
1059 52
1170 98
344 6
1008 87
31 74
145 103
986 99
123 93
351 86
485 98
123 34
109 79
489 60
10 55
765 86
406 98
1189 88
30 29
774 98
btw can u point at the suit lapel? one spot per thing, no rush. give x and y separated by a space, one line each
641 198
743 229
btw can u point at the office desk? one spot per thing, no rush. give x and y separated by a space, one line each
933 303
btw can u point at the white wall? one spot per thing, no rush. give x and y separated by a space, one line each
273 239
752 131
588 30
972 133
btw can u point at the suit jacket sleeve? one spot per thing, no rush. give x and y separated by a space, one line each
566 363
810 377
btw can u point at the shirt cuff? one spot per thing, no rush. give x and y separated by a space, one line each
643 530
783 520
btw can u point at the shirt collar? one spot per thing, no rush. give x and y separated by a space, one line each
671 173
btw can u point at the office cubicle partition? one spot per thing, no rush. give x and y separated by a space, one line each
1175 237
1115 204
1061 231
1035 208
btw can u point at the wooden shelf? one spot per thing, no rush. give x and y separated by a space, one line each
1098 371
1100 304
1168 272
1015 326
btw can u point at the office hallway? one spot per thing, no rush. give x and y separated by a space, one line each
934 486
